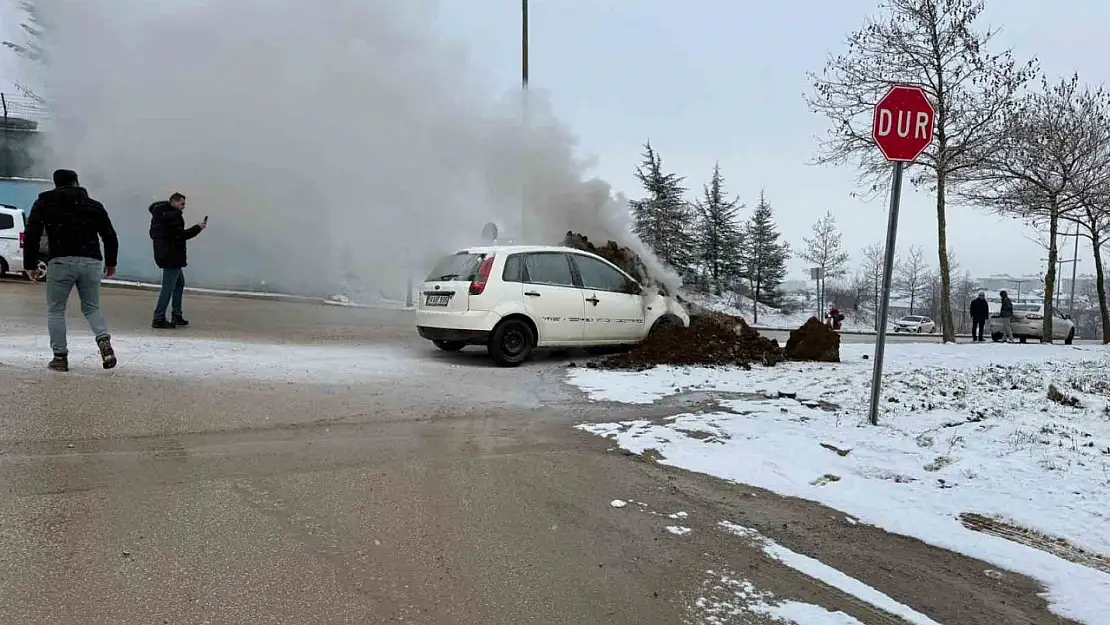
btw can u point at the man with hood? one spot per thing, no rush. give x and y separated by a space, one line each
74 225
1005 313
980 312
168 235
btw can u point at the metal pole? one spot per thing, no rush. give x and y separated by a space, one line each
884 302
523 108
1074 265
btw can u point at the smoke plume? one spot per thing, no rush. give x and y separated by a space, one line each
326 141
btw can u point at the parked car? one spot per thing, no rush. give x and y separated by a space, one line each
11 239
1028 323
915 323
513 299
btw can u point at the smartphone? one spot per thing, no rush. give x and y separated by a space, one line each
206 219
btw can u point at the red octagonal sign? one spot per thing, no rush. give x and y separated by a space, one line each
903 123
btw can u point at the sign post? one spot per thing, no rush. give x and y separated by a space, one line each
902 128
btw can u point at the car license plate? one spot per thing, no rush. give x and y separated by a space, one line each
437 300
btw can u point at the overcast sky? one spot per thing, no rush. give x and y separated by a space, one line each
714 80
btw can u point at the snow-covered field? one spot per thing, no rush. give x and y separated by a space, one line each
740 306
964 430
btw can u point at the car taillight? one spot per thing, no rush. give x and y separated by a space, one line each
21 235
1034 317
478 284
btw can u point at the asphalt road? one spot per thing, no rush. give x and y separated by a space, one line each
433 488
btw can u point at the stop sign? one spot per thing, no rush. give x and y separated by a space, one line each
903 123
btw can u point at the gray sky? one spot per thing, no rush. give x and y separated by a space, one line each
711 80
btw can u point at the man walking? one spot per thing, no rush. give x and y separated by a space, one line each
74 225
169 234
1005 313
980 312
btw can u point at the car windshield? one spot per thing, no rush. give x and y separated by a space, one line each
460 267
1027 308
912 319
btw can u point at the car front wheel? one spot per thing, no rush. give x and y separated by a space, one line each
511 343
1070 338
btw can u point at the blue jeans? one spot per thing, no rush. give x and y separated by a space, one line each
62 275
173 286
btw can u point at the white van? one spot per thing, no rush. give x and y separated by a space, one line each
11 239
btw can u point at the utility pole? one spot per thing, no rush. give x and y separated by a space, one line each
524 110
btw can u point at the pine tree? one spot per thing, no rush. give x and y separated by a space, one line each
663 219
763 257
33 27
718 236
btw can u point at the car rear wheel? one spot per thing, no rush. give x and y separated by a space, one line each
3 266
1070 338
511 343
996 336
449 346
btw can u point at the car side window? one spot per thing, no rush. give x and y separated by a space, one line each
514 269
551 268
599 276
7 222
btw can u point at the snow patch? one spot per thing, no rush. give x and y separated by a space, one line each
827 574
678 530
617 503
726 597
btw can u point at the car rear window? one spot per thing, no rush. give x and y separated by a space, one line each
460 267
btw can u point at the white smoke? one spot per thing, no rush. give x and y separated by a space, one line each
322 139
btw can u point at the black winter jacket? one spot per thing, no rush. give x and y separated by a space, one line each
169 234
1006 310
980 309
74 225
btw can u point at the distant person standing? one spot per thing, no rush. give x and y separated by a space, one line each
169 234
74 224
980 312
1005 314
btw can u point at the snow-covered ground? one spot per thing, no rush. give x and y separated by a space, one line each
357 300
215 359
964 429
740 306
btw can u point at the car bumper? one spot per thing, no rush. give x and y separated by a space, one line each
1019 328
468 327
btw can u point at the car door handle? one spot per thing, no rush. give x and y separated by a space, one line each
531 294
593 300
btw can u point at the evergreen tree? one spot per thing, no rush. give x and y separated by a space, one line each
763 257
718 233
31 49
663 219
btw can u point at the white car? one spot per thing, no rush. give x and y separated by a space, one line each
12 224
513 299
1028 323
916 324
11 239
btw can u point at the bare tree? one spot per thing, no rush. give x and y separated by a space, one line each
912 278
871 276
1093 220
935 45
826 251
1053 158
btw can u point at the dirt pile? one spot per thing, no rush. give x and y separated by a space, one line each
815 342
622 257
710 340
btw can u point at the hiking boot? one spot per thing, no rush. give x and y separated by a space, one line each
107 354
59 363
180 321
162 324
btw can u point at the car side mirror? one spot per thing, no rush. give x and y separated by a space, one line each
634 288
1067 316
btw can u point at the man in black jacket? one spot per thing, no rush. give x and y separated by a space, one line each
980 312
74 225
169 234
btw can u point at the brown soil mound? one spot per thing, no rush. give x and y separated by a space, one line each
814 341
711 340
622 257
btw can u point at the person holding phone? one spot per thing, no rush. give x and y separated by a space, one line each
168 234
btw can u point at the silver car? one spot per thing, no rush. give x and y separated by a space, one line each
1028 323
916 324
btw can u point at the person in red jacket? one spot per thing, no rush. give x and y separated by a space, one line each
834 318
